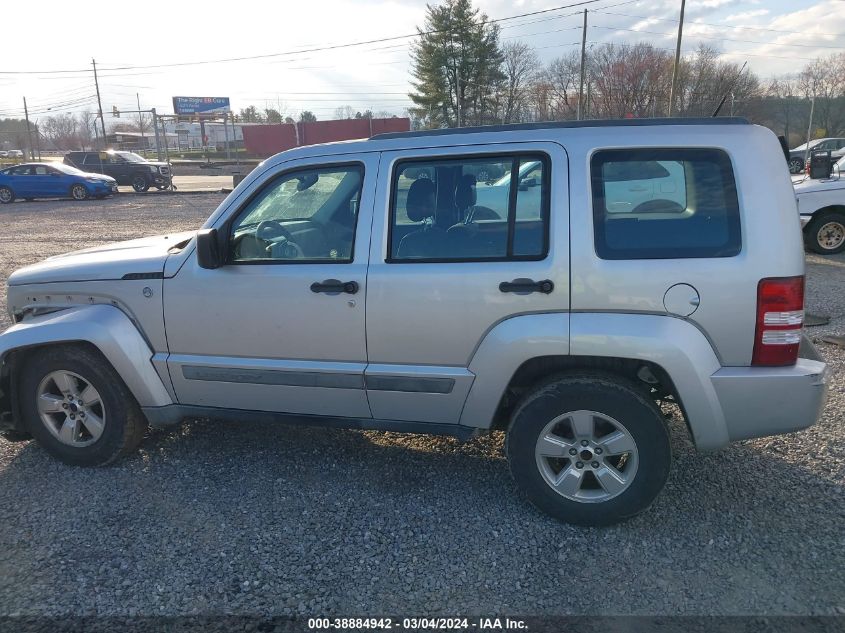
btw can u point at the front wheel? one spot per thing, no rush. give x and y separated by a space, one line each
140 184
6 195
825 234
77 407
589 449
79 192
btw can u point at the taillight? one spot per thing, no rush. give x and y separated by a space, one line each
780 315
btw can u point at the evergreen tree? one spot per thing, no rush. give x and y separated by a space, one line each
456 66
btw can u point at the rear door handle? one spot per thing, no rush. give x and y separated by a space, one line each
527 286
335 287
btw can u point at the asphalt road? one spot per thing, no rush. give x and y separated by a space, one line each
247 518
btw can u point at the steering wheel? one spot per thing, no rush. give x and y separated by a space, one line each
268 231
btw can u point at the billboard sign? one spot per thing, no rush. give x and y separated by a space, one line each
200 105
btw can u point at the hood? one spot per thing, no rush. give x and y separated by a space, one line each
145 256
822 184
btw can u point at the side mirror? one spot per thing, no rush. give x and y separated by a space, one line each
208 249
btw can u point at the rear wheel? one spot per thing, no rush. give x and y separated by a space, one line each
139 183
77 407
79 192
6 195
796 165
589 450
826 233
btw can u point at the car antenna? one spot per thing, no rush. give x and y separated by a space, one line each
730 88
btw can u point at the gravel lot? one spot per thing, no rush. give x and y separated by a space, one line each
250 519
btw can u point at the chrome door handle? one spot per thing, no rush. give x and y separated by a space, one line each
335 287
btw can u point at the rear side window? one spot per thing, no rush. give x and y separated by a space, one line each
664 204
474 208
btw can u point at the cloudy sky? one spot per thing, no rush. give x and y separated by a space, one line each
136 46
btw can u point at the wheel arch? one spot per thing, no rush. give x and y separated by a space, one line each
831 208
105 328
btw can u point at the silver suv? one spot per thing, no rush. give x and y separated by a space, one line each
614 269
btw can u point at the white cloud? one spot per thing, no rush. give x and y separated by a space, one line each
746 15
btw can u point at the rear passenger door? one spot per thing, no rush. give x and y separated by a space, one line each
463 238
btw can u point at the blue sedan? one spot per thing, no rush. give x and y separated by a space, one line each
52 180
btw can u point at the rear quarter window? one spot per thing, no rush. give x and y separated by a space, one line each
664 204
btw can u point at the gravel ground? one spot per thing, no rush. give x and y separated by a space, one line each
253 519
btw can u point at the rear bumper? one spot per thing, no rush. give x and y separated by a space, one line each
761 401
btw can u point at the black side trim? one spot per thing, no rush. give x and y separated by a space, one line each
176 413
273 377
137 276
410 384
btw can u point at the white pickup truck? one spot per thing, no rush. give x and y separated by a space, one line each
821 205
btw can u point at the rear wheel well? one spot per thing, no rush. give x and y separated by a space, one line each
834 208
653 379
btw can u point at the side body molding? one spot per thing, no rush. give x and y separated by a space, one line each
501 352
110 331
675 345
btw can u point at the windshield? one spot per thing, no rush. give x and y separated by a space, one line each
67 169
131 157
804 145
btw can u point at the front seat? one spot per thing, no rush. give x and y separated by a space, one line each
428 242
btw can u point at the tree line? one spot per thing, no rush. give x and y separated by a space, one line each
462 74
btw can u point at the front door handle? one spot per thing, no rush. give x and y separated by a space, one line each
335 286
527 286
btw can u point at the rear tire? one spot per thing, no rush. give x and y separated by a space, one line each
825 234
590 450
74 380
6 195
796 165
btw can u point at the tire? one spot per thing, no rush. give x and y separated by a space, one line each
110 402
796 165
621 416
7 196
79 192
825 234
140 183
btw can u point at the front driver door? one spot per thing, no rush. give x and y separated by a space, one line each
280 326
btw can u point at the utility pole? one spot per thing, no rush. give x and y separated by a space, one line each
809 129
583 66
458 93
141 122
99 103
677 61
28 131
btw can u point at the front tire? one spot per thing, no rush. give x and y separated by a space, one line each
590 450
140 183
79 192
77 407
825 234
6 195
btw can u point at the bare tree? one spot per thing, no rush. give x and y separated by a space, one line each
824 79
87 128
61 130
520 65
555 92
344 112
628 80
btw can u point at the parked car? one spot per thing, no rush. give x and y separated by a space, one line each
15 153
127 168
645 262
821 205
799 155
52 180
4 153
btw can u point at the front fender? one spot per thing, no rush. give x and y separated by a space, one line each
109 330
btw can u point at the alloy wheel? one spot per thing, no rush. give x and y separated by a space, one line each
831 235
586 456
71 408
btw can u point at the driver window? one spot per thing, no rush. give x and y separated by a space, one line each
306 215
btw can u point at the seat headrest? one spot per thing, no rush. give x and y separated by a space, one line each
465 192
421 200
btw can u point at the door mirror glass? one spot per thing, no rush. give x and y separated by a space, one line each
208 249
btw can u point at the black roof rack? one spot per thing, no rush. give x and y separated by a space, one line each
552 125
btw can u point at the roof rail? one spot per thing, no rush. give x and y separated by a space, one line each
553 125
